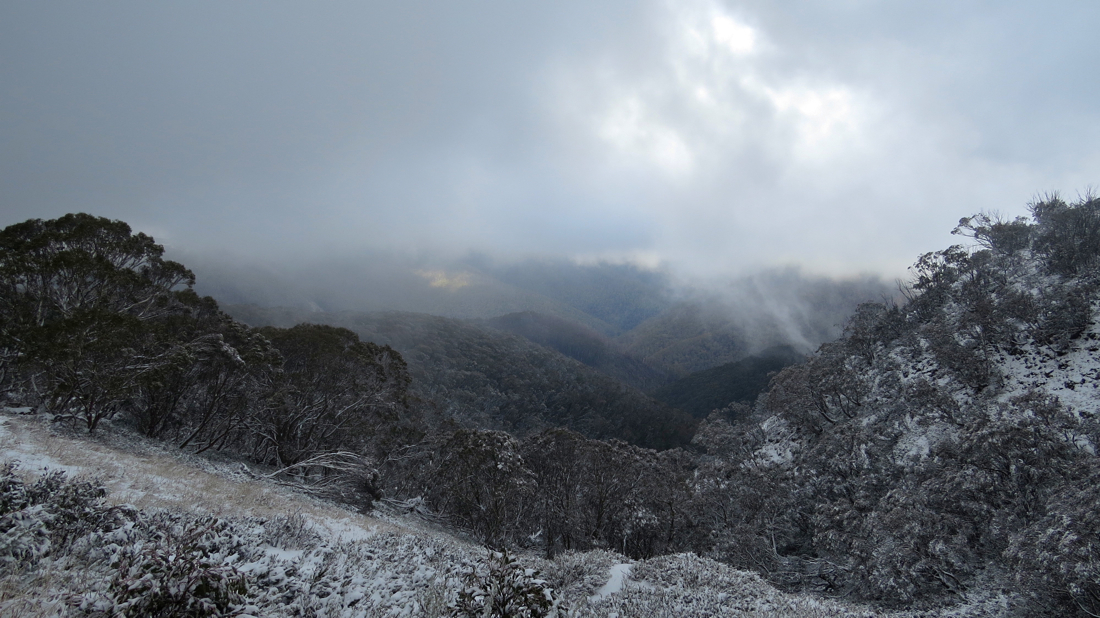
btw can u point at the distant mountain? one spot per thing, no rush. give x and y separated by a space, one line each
583 344
686 338
377 283
619 295
609 298
485 378
674 329
740 381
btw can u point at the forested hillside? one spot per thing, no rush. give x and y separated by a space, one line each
747 315
948 445
98 327
618 295
483 378
583 344
674 328
741 381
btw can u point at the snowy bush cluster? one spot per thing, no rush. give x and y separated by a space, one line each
502 588
124 562
47 515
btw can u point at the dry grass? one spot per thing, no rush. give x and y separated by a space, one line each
151 475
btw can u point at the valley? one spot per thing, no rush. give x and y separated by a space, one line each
937 457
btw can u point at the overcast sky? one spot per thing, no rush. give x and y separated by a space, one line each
844 135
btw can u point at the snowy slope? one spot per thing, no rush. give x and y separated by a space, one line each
304 557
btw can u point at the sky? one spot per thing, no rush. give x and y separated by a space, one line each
708 137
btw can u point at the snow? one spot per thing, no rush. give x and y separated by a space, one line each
619 574
310 558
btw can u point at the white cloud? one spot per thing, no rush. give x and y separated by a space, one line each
827 119
632 130
739 39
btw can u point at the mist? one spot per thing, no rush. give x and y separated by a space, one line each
737 315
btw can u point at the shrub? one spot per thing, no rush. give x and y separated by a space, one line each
501 588
37 518
1055 557
1068 235
180 573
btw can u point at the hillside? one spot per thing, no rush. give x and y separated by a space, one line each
618 295
674 328
484 378
686 338
582 344
747 315
948 446
245 546
738 382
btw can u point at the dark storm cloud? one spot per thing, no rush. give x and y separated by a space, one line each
711 136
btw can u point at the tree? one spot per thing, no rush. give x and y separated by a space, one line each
481 481
216 372
332 393
1068 235
76 294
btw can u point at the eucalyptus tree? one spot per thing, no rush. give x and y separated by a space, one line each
333 392
77 295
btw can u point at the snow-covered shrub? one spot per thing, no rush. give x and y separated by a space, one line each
49 513
181 571
1067 235
1055 558
1064 315
288 532
433 598
501 588
23 536
576 575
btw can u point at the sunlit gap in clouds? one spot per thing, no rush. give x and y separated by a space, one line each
709 100
726 140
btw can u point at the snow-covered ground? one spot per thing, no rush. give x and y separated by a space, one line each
306 557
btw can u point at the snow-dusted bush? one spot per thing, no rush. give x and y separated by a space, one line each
48 513
1056 557
501 588
289 531
578 575
481 482
24 537
183 570
1067 235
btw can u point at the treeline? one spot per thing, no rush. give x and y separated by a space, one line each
96 325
